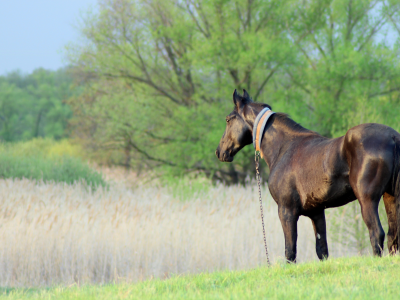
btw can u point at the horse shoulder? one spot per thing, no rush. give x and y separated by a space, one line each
282 186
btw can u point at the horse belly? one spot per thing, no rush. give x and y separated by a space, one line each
329 192
325 182
340 194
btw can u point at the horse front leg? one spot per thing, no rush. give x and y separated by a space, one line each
289 224
319 224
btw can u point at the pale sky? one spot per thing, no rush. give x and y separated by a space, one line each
33 33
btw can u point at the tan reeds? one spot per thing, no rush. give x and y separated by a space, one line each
60 234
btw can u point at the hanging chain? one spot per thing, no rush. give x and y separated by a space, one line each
257 161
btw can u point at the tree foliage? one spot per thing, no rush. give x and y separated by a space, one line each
33 105
159 73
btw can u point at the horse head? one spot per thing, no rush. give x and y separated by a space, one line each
238 131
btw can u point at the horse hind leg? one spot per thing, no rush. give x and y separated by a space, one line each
390 207
369 211
368 186
369 194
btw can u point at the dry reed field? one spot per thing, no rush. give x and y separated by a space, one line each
61 234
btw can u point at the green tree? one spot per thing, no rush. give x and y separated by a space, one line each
176 62
159 74
10 110
347 72
33 105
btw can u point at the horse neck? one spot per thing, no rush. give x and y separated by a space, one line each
278 136
276 140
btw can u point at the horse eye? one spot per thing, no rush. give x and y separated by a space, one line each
230 118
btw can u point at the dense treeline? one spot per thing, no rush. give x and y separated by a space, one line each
33 114
159 74
33 105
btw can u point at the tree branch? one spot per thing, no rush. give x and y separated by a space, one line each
265 82
145 81
234 74
298 83
374 30
384 93
150 157
340 90
396 26
206 34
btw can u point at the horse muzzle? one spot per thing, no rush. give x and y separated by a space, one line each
225 156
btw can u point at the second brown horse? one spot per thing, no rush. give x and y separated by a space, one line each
310 173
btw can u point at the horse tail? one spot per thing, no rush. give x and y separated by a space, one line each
396 188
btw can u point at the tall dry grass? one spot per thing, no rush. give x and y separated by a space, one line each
61 234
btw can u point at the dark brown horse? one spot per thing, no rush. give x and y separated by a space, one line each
309 172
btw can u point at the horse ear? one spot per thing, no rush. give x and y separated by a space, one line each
246 96
237 99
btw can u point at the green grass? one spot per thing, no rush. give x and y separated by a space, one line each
346 278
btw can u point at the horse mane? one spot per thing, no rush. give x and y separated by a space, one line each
290 124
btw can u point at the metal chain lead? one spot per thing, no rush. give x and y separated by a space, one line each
261 206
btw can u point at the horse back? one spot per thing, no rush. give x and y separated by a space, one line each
316 172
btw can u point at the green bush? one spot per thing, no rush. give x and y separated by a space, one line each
36 160
42 147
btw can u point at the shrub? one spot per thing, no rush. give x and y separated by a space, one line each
47 160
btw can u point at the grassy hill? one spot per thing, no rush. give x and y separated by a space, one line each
345 278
